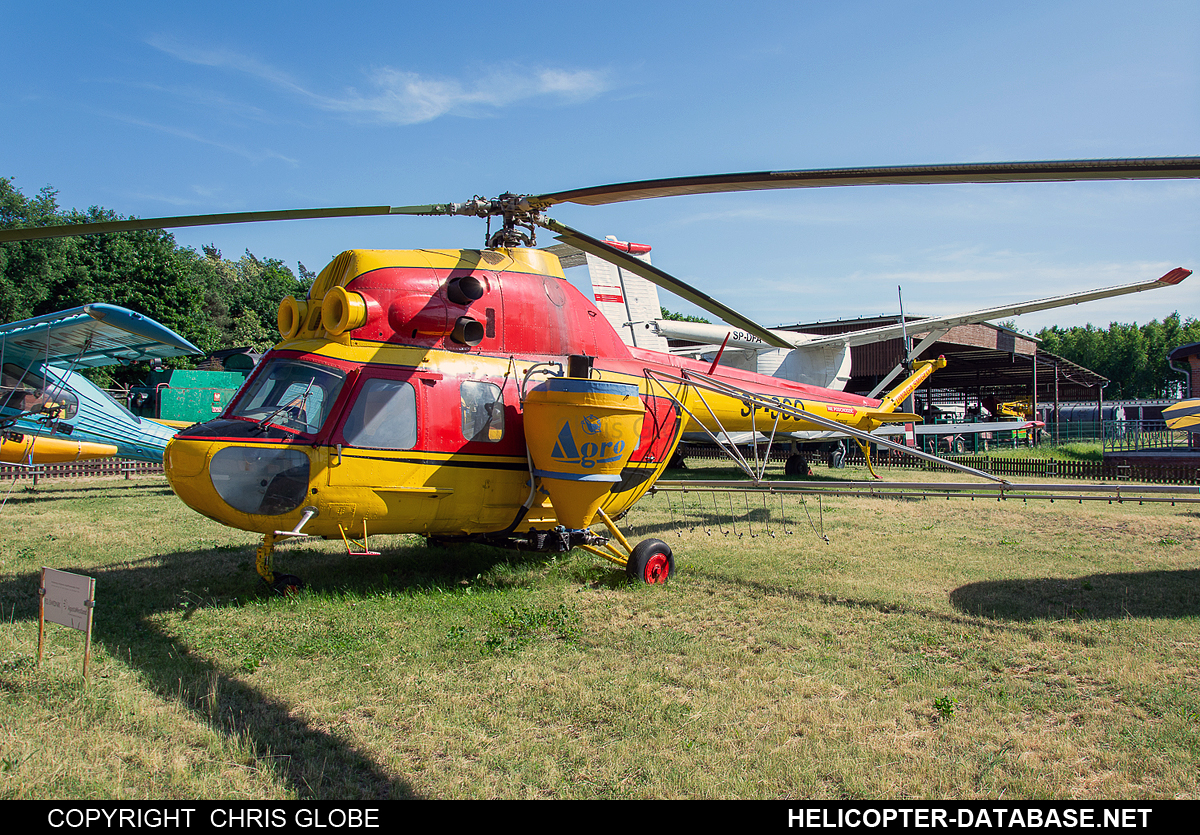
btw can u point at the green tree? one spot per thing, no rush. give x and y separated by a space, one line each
1132 357
212 301
680 317
240 291
28 268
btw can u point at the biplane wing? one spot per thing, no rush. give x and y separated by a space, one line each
51 413
90 336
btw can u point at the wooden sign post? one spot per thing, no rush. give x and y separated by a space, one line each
67 599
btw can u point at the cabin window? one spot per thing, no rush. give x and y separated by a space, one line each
23 391
292 395
384 416
482 411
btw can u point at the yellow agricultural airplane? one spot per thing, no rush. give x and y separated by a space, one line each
475 395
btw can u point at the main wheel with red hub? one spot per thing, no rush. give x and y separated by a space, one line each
650 562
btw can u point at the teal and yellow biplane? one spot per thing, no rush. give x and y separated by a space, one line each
50 412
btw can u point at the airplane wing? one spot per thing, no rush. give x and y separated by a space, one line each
714 333
90 336
870 335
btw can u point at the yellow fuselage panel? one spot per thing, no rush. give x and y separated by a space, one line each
355 262
38 449
714 411
394 491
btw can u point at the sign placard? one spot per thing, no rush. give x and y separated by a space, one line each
67 599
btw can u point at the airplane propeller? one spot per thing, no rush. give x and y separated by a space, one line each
524 212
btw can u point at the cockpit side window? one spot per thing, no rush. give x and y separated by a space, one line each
291 394
384 416
482 411
23 391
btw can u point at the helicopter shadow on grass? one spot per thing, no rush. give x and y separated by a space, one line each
405 565
1026 605
312 762
968 620
1142 594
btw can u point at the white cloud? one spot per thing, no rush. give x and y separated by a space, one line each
403 97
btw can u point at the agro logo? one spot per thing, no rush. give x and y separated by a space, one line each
590 453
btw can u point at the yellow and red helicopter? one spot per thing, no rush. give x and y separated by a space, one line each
476 395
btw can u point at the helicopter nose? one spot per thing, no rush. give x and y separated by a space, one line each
216 479
261 481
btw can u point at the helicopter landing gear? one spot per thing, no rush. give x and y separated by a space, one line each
866 448
651 562
286 585
281 584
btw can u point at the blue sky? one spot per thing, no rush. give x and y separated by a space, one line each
177 108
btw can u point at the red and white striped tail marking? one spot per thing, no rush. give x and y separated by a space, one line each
628 301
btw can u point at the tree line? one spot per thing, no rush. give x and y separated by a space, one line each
1133 357
213 301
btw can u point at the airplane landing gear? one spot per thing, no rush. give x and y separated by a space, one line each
796 464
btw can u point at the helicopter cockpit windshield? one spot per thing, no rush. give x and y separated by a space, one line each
291 394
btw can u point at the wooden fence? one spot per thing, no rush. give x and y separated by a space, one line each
81 469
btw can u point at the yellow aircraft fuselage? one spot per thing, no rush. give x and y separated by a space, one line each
395 403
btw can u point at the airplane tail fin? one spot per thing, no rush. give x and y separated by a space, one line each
628 301
826 365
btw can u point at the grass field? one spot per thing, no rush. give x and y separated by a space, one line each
930 649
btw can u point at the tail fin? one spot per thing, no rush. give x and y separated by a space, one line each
628 301
900 393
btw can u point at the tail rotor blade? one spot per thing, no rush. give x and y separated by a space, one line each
904 330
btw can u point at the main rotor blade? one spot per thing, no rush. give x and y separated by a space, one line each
68 230
665 280
979 172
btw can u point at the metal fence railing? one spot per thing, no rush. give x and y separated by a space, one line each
1116 437
1147 436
